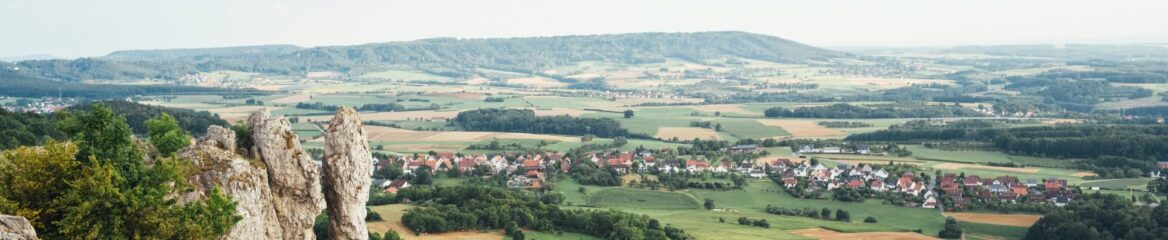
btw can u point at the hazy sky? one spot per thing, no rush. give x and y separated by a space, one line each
72 28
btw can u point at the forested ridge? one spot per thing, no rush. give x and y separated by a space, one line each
442 56
24 83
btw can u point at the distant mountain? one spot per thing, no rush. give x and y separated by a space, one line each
196 54
444 56
27 57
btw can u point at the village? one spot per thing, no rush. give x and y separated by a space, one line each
799 175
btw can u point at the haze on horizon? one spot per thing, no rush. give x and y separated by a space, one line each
74 28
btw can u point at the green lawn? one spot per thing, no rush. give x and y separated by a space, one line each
627 198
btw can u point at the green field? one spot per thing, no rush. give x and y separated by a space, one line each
628 198
974 230
1139 184
922 152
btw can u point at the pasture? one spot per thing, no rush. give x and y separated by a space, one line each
627 198
686 133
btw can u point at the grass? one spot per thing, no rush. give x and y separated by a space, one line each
1042 162
760 193
749 128
958 156
627 198
990 231
1118 184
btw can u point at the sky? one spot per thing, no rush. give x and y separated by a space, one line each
79 28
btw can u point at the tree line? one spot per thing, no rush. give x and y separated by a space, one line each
844 110
1102 216
524 120
445 209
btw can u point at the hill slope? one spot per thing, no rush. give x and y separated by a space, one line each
444 55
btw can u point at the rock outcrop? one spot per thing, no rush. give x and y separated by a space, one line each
16 228
294 179
278 193
215 164
348 166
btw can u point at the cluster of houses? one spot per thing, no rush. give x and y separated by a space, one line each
696 166
961 190
820 177
1007 189
524 170
529 170
41 106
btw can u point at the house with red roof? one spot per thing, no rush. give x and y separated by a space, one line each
972 180
855 183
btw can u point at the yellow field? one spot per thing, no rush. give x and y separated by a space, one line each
686 133
803 128
819 233
1020 220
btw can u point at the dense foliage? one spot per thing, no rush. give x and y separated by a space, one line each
136 114
524 120
99 187
26 129
1102 216
445 209
164 133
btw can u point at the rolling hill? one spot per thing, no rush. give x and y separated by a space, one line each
442 56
